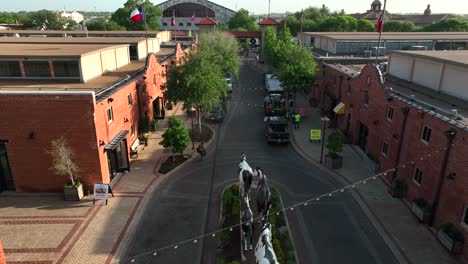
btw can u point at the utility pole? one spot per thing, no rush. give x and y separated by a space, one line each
325 120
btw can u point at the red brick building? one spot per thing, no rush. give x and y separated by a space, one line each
93 95
413 118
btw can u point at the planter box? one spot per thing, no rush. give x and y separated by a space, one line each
453 246
143 141
73 194
421 214
396 192
335 163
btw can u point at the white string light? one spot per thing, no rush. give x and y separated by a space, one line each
278 212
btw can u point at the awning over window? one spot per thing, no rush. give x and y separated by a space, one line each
339 109
116 140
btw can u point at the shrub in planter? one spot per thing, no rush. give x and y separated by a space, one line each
334 146
398 188
422 209
451 237
63 163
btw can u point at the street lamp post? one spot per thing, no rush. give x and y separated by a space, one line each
324 130
192 111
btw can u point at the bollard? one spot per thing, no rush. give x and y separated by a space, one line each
2 254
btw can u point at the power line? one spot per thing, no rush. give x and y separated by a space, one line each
196 239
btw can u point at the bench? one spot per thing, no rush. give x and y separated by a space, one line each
134 148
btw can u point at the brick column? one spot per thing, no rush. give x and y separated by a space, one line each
2 254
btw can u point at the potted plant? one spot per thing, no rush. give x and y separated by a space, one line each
144 126
63 163
153 125
334 146
398 188
451 238
422 209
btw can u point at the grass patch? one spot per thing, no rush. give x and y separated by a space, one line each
282 243
170 164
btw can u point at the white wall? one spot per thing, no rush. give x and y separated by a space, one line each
400 66
122 56
455 81
427 73
90 66
109 62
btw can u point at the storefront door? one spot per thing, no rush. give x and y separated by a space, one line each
6 178
363 132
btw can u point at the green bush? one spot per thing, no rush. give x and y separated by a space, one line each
69 184
334 144
144 125
452 231
291 258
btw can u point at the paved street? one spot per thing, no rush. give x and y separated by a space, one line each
332 230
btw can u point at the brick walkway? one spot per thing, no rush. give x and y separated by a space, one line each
43 228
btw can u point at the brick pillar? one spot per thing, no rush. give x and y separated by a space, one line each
2 254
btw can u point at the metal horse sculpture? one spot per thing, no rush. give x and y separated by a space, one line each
247 224
245 176
263 195
264 253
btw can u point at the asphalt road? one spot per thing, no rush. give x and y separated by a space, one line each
332 230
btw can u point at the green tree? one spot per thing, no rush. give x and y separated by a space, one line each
122 15
334 144
450 24
47 20
297 70
399 26
365 25
198 81
225 50
339 24
7 18
103 24
242 21
271 46
176 137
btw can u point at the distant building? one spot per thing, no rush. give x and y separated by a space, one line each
425 18
182 11
412 116
356 43
75 16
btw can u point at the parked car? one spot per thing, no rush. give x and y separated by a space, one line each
274 105
216 114
276 129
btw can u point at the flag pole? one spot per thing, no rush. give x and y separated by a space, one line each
146 28
380 33
301 22
269 8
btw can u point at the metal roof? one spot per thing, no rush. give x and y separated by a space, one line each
116 140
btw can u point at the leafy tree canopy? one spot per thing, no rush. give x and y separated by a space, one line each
225 48
103 24
450 24
242 21
272 46
47 20
297 69
176 136
7 18
399 26
122 15
365 25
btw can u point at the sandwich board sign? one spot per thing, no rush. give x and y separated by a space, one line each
101 192
315 135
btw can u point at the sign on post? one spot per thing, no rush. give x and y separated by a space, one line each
315 134
101 192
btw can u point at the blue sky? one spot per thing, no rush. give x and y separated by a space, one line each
256 6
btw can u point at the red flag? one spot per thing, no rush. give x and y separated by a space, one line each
173 19
193 17
380 22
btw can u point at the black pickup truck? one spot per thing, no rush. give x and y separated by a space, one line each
276 129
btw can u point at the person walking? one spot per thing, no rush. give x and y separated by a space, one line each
297 119
201 150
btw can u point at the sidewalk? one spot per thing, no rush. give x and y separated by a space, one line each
410 241
43 228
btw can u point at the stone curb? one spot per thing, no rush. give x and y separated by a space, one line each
389 240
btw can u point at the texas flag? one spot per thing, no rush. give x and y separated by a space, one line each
380 22
193 17
136 15
173 21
